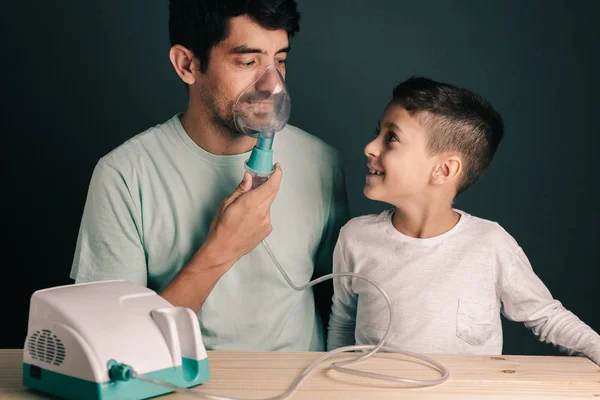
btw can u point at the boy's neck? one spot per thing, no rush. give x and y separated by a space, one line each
424 222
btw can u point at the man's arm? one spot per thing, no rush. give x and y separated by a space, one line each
241 223
196 280
110 243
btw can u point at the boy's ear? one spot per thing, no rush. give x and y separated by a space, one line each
449 169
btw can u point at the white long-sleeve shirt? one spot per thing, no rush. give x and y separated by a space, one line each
447 292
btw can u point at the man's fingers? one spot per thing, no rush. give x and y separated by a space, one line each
245 185
269 189
269 200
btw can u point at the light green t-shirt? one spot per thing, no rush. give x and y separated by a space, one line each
149 206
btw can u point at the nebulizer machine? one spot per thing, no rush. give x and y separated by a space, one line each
76 349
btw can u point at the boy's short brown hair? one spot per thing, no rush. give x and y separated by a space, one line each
456 119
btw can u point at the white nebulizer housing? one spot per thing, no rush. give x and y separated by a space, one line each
81 336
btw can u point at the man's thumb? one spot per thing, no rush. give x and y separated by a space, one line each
244 186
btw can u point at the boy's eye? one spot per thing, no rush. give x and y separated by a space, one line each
390 136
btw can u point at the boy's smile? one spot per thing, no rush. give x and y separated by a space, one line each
374 171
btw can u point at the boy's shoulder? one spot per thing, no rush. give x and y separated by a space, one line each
364 224
486 231
480 229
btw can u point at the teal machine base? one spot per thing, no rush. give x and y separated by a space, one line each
191 373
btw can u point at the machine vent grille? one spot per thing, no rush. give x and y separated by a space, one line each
47 347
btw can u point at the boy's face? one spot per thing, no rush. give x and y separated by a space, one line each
237 62
399 166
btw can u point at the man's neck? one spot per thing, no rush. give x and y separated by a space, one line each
424 221
213 139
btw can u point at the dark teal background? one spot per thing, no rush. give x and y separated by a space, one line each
79 78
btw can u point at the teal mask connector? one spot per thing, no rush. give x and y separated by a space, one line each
260 163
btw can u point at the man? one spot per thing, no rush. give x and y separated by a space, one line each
166 209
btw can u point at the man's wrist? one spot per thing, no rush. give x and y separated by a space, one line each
211 257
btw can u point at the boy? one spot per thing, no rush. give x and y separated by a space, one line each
449 274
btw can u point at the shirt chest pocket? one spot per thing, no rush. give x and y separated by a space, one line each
475 321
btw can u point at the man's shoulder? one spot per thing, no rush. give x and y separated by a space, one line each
141 145
301 140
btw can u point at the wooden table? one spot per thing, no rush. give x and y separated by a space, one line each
263 374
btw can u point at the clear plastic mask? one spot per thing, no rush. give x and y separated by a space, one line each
264 106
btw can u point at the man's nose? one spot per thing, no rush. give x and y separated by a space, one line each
269 82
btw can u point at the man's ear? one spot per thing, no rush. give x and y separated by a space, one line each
449 169
183 62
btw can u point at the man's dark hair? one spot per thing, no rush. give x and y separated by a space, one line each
456 120
199 25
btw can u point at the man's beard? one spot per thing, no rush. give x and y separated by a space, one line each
220 113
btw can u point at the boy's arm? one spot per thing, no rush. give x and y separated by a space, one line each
342 321
526 299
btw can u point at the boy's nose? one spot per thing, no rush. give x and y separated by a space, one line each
371 149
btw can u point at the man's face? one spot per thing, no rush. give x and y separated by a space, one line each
237 62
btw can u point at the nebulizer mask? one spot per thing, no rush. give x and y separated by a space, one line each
260 111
